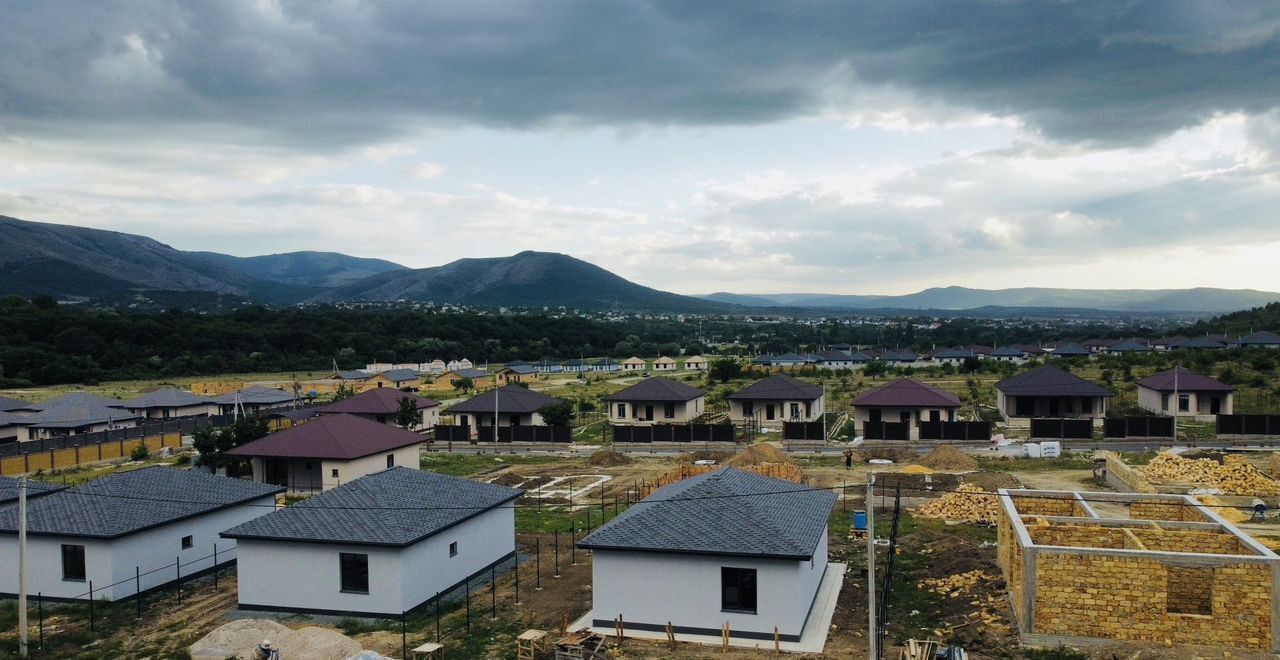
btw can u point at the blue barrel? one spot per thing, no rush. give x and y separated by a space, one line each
860 520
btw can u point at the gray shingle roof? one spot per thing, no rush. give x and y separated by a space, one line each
1259 338
7 404
779 387
78 409
522 369
726 512
1008 351
395 507
1130 346
351 375
470 373
128 502
1071 350
255 395
954 353
511 399
9 489
168 397
377 401
657 389
1050 381
1197 342
400 375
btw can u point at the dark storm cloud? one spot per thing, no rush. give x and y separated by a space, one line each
346 72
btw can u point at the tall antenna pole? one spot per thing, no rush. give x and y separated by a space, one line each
22 565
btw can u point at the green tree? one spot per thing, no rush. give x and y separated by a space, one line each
407 415
557 414
724 369
344 391
464 384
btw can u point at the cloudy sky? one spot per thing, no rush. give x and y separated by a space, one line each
844 147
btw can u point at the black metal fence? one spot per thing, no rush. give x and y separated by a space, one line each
1061 429
886 431
452 432
802 431
1145 426
674 433
955 430
528 434
1248 424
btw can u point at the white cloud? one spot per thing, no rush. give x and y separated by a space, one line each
425 171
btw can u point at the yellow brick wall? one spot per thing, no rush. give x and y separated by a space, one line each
1009 555
1047 506
1172 540
1125 598
1154 510
1078 536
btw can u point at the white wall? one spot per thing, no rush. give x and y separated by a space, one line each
351 470
684 411
108 561
781 411
305 576
653 588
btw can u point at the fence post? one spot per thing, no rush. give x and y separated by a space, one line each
137 589
404 638
177 567
40 615
557 538
573 542
92 619
437 617
537 561
467 583
588 521
493 592
517 572
215 566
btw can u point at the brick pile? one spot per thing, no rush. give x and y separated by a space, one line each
1234 477
969 503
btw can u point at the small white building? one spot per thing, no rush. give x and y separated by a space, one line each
127 525
514 406
1185 393
634 363
703 552
376 547
695 363
329 451
664 363
169 403
73 413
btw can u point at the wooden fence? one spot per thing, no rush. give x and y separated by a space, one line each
61 459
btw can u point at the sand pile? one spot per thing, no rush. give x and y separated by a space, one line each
759 454
1230 514
917 469
1273 464
237 639
946 457
607 458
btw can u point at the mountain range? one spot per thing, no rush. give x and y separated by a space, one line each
80 263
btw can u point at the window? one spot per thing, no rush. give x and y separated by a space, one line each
187 542
795 411
73 562
453 549
748 409
1086 406
1184 402
334 473
738 589
1190 590
622 411
668 410
354 570
391 460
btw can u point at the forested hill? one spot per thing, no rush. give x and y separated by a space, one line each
1243 322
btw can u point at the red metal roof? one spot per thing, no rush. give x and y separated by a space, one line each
341 437
377 401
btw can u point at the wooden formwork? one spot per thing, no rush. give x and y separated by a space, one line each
785 471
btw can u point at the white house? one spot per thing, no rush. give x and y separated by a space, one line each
634 363
168 403
329 451
70 414
695 363
376 547
515 406
124 532
664 363
703 552
776 399
656 400
1185 394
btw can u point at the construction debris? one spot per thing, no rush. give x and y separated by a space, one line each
946 457
1230 514
1232 477
969 503
1273 464
972 585
607 458
917 469
759 454
237 639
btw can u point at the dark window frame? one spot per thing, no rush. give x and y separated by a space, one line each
74 549
453 549
188 542
739 590
391 460
350 574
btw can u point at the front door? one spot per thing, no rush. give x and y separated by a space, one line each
277 471
875 416
905 417
1215 406
1053 407
768 411
648 413
935 415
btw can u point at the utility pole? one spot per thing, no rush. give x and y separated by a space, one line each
1177 403
871 567
22 565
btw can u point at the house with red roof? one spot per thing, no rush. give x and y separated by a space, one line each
329 451
382 404
1185 393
